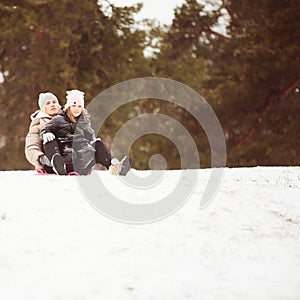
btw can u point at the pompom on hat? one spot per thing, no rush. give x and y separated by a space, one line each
74 97
44 97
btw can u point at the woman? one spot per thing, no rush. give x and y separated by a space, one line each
49 107
70 143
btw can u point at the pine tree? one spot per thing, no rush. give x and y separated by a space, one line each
258 73
55 46
250 75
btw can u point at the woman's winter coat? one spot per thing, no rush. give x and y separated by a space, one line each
33 142
74 139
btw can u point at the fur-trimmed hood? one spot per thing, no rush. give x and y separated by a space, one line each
39 115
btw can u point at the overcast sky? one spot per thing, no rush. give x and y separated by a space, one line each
162 10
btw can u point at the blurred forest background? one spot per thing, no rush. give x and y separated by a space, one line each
249 73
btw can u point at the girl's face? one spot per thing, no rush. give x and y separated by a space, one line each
76 110
51 107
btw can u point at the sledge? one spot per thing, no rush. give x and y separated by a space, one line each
124 167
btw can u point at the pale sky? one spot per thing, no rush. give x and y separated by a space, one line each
161 10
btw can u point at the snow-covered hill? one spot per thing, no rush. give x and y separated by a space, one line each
244 245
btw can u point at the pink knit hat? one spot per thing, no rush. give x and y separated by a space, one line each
74 97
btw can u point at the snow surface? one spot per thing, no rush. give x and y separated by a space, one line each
244 245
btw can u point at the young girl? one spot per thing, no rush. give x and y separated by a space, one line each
49 107
70 142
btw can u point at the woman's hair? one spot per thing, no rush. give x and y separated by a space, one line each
71 117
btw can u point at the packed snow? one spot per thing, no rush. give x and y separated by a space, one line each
244 245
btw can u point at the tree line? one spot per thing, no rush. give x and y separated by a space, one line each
249 73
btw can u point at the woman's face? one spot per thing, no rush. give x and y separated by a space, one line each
52 107
76 110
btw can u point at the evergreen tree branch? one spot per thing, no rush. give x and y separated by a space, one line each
281 96
247 138
291 87
218 34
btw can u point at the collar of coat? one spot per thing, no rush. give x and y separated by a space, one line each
39 115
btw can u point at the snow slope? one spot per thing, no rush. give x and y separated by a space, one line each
244 245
